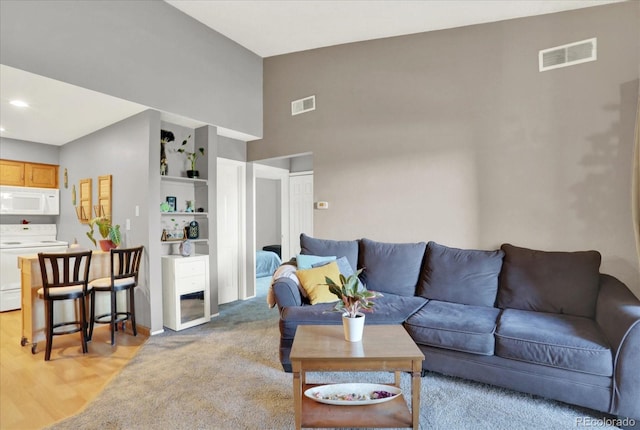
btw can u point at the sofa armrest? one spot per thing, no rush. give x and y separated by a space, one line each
618 315
287 293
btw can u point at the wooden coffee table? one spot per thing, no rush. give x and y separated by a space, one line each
322 348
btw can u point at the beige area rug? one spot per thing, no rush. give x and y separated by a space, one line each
226 375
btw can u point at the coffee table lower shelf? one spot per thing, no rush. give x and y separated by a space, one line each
392 414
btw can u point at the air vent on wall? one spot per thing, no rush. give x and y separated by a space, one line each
303 105
568 55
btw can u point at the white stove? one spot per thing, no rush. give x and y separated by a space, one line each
17 240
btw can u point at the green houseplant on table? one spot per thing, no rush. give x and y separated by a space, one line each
354 298
111 237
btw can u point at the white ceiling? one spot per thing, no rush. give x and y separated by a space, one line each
60 113
274 27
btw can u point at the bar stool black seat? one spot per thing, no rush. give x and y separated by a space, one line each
65 276
125 264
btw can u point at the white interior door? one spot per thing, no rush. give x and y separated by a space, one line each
231 209
301 209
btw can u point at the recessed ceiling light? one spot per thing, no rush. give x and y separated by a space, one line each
19 103
1 129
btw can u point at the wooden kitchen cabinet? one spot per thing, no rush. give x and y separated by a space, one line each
40 175
11 173
23 174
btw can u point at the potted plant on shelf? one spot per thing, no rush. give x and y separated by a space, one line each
354 300
111 237
191 157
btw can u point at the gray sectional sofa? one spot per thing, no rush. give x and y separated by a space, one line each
545 323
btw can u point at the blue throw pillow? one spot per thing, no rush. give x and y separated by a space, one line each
391 267
465 276
339 248
344 266
307 261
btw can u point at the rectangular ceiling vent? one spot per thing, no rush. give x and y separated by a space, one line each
303 105
568 55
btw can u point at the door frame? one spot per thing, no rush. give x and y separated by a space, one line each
267 172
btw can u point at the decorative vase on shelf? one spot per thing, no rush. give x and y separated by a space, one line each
353 327
193 174
193 230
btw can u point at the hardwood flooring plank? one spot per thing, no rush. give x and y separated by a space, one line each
35 393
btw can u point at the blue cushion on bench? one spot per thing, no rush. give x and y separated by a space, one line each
562 341
454 326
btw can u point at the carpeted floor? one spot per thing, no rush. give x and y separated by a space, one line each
226 375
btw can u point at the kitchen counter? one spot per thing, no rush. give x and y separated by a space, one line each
33 319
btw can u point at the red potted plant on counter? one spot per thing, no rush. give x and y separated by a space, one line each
110 233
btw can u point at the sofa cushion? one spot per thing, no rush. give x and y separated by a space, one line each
314 282
343 265
389 309
557 282
307 261
466 276
326 247
561 341
391 267
454 326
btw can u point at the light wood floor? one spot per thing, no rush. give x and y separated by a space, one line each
35 393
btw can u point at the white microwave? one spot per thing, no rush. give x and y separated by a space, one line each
29 201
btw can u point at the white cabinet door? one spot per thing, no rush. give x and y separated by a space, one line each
230 195
301 209
185 291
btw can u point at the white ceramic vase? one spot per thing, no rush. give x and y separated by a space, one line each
353 327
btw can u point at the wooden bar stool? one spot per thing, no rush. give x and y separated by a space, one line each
125 264
65 276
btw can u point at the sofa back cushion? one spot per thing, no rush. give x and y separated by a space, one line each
391 267
466 276
326 247
556 282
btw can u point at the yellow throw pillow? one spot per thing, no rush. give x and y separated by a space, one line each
314 283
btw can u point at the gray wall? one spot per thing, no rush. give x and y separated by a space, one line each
21 150
121 150
454 136
232 149
142 51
